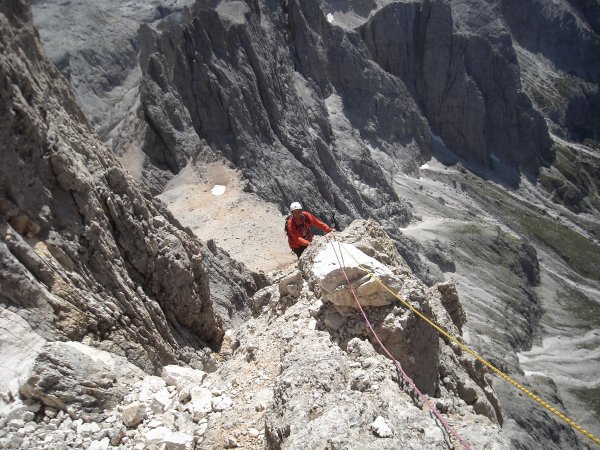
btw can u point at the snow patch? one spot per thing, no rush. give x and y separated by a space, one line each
218 189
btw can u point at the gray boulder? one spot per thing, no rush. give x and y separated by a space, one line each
78 379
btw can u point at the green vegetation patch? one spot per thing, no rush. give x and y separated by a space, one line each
587 223
467 229
586 311
578 252
573 180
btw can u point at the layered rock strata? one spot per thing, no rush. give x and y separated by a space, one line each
86 254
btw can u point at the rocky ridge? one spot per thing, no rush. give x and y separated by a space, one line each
343 392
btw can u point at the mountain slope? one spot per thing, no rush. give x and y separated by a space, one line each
338 104
86 253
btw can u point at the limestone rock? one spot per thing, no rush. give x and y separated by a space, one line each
324 262
200 404
99 265
472 114
19 347
291 285
74 377
290 148
308 100
181 376
451 303
343 392
381 428
572 43
221 403
162 437
100 63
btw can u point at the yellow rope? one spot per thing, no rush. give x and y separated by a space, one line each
486 363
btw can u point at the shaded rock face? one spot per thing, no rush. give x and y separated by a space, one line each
457 60
567 34
85 253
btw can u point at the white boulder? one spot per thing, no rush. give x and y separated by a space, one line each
200 404
326 271
180 376
163 437
381 428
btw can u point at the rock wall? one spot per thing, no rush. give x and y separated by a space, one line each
93 44
277 91
458 62
563 38
86 254
272 86
565 32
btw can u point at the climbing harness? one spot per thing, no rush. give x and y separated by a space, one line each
483 361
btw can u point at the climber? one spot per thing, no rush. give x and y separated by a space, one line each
297 228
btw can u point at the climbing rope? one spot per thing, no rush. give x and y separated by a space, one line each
483 361
421 396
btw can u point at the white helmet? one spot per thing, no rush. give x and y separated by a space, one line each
294 206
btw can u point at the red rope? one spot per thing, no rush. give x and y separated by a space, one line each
423 398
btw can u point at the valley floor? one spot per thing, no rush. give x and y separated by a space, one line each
213 204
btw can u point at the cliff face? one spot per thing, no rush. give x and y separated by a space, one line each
86 254
94 45
276 91
559 60
459 64
271 86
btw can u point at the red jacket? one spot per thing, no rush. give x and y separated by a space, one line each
299 234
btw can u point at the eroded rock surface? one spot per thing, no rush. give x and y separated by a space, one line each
292 376
86 254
